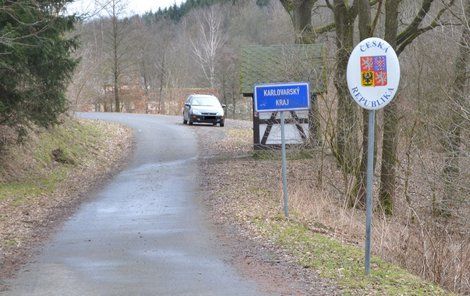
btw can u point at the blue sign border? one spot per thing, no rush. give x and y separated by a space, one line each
300 102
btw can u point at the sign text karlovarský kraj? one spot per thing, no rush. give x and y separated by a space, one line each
373 73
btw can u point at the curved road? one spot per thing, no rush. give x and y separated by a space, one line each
143 233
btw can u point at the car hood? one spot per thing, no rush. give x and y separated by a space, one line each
208 109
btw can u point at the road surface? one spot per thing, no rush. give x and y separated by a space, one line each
143 233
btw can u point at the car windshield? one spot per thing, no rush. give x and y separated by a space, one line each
205 101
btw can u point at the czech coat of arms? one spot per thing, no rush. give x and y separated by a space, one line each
374 71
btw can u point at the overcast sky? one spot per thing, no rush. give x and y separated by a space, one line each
132 6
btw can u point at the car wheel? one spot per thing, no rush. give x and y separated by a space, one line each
222 123
185 121
190 122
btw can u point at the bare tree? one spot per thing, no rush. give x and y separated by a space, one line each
116 45
208 41
400 41
366 27
300 13
346 147
162 59
459 109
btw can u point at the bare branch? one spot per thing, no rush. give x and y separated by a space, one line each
376 18
328 4
411 33
411 29
324 29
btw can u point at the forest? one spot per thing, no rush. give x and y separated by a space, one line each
146 63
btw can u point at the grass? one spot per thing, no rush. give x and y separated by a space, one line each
73 138
19 192
344 263
76 141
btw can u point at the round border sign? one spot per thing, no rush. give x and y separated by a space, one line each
373 73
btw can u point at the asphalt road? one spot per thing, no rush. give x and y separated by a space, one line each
143 233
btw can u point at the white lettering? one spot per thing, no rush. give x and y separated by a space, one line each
282 102
368 45
281 92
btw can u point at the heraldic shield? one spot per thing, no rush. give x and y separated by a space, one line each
374 71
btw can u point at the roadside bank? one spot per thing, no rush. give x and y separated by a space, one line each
44 179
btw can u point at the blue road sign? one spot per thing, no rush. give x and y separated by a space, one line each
282 97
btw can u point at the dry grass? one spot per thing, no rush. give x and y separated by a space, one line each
419 245
38 190
413 238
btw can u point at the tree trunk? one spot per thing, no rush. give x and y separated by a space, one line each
346 143
390 132
358 195
301 17
302 21
452 142
315 138
117 102
234 103
162 82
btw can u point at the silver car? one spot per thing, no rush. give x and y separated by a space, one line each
203 109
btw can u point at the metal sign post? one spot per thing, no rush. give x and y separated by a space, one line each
280 98
370 182
284 167
373 76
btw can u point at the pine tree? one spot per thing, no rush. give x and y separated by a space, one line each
35 62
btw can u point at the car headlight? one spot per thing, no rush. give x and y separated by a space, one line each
220 113
196 112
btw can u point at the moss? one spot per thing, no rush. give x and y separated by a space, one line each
344 263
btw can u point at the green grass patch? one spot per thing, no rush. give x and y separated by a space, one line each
10 243
74 139
54 152
344 264
22 191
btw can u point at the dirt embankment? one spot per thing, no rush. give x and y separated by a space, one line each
43 180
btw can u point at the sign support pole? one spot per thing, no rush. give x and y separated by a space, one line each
369 192
373 76
280 97
284 167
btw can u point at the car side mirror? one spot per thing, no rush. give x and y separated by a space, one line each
224 106
187 105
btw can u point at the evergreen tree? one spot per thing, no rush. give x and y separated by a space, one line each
35 61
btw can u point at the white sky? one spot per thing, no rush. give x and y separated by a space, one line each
132 6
